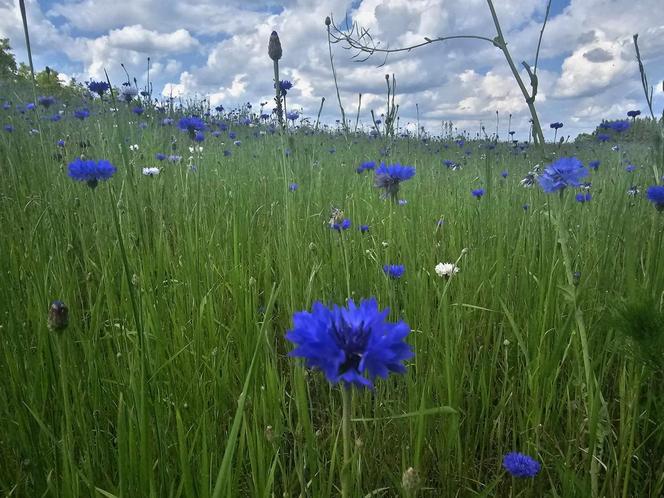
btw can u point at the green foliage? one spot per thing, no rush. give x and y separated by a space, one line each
8 67
176 283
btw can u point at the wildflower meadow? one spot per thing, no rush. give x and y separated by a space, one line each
226 300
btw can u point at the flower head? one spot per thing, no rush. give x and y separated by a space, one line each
583 197
390 177
58 316
619 126
364 228
367 165
81 114
565 172
394 271
293 187
292 115
520 465
90 171
655 194
446 270
98 87
603 137
594 164
128 92
556 126
343 224
46 101
633 114
478 193
352 344
151 171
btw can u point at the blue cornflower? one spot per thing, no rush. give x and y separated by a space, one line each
603 137
344 225
556 126
285 85
520 465
352 344
237 143
86 170
364 228
478 193
199 136
394 271
565 172
191 125
368 165
594 164
630 168
449 163
583 197
216 133
390 177
219 108
8 128
81 114
159 156
633 114
655 194
46 101
403 202
264 116
138 110
620 125
292 115
61 143
30 106
232 135
293 187
166 121
504 173
55 118
98 87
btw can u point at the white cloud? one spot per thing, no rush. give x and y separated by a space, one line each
204 48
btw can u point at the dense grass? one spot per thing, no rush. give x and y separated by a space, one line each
181 287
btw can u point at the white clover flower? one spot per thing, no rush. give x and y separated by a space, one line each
151 171
446 270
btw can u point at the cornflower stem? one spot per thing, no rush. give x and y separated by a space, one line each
277 98
591 401
345 435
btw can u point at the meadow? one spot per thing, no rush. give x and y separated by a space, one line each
173 378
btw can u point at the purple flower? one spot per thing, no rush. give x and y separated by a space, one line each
352 344
520 465
91 171
293 187
565 172
633 114
630 168
344 225
655 194
504 173
394 271
478 192
556 126
81 114
364 228
594 164
368 165
390 177
602 137
583 197
620 125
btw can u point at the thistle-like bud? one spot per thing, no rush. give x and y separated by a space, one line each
58 316
274 47
328 21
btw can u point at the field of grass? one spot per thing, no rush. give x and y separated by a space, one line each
172 378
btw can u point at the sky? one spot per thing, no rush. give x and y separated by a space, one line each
218 50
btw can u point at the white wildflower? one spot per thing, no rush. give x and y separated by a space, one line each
150 171
446 269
